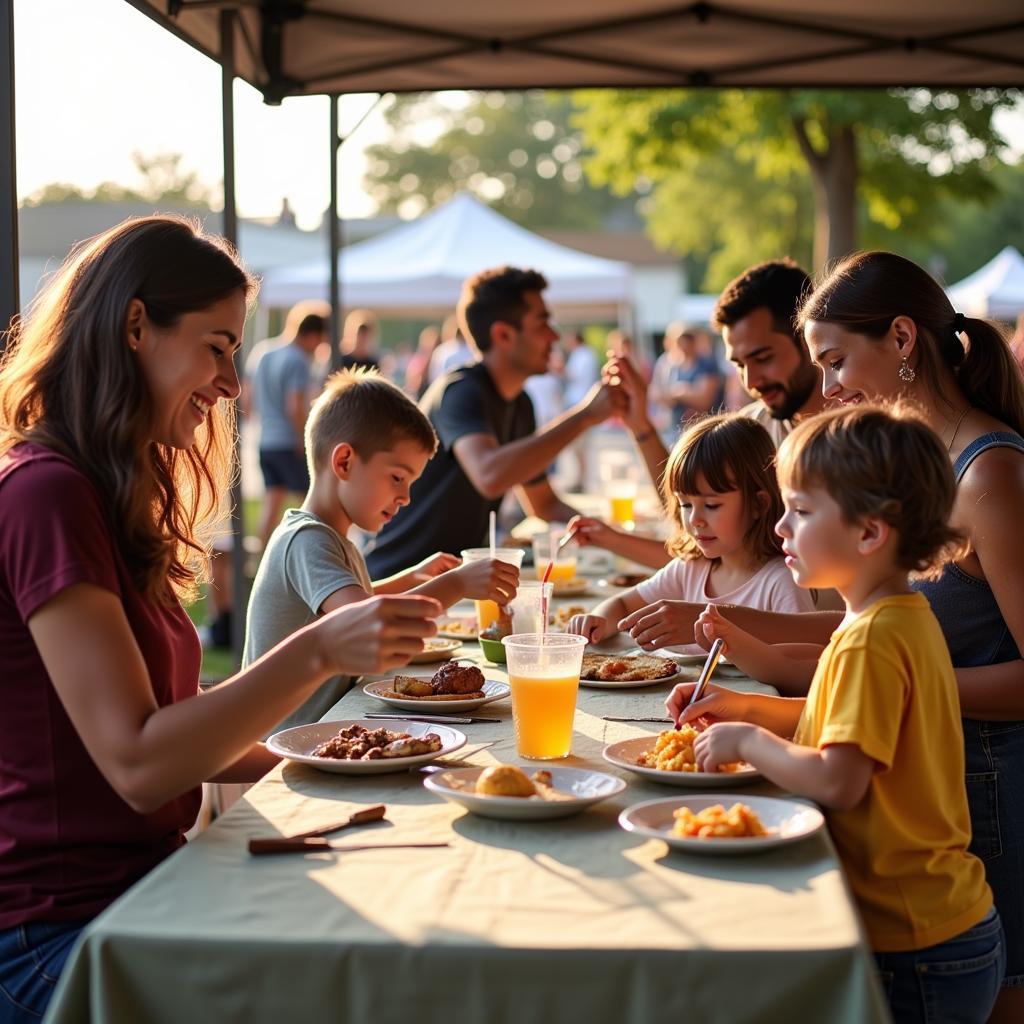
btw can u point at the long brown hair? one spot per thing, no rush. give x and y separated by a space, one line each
868 290
68 381
730 453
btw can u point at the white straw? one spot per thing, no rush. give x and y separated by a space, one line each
494 532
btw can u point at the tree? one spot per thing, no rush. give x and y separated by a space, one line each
515 151
865 158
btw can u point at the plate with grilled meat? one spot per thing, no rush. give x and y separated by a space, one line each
363 747
623 671
453 687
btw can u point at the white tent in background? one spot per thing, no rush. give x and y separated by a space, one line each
996 290
419 267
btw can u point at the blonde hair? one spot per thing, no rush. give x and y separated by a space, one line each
730 453
884 463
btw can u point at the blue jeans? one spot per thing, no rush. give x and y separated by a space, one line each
955 982
31 959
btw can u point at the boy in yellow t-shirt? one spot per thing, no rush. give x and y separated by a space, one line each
878 740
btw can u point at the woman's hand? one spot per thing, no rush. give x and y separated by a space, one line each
662 624
488 579
594 627
376 635
717 704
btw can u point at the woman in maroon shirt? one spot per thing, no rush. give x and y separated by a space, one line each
116 429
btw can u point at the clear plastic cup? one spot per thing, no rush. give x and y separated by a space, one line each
490 611
618 474
527 614
564 562
544 672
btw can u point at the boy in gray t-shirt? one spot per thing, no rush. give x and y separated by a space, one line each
366 442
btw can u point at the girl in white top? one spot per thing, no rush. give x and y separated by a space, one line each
720 489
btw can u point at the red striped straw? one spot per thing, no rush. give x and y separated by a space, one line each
544 598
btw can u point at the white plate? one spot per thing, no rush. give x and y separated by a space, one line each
296 743
624 754
571 588
724 668
493 690
466 628
587 786
789 821
436 649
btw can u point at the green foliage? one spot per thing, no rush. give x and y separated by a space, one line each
515 151
732 170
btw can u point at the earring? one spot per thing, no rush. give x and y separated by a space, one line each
906 372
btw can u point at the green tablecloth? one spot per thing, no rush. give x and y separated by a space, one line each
570 920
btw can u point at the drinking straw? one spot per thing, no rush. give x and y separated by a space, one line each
544 601
494 533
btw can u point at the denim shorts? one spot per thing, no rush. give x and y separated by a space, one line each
32 957
995 795
285 469
955 982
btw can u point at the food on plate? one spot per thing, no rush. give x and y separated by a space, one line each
504 780
434 643
738 822
673 752
449 682
458 628
357 743
628 579
569 586
626 668
561 616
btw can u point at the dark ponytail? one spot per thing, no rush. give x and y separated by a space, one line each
868 290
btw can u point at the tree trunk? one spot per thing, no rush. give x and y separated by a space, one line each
834 181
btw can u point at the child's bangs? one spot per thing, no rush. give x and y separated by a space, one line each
709 457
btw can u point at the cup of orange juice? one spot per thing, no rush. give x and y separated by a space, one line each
544 672
489 611
563 563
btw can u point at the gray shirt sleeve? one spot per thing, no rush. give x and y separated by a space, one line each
317 565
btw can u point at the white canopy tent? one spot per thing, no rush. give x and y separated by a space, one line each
418 268
996 290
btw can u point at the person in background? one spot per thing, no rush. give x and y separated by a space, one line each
358 341
453 352
690 380
756 315
582 371
877 741
116 434
416 372
280 373
489 443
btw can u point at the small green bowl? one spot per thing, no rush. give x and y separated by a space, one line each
494 650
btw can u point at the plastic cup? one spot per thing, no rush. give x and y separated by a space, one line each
527 616
490 611
545 549
619 484
544 673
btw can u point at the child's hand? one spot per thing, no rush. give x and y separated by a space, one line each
488 580
594 627
720 744
716 705
712 625
436 564
662 624
589 532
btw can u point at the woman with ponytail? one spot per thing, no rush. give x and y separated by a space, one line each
881 328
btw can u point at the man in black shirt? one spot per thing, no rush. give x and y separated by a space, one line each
485 423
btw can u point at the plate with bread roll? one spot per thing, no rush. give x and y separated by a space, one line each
453 687
517 793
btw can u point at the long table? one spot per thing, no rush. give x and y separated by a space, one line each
520 922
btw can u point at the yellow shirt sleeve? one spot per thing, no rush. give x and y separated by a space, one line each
866 697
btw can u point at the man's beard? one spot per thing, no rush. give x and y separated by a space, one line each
798 389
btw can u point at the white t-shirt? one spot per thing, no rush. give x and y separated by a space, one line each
770 589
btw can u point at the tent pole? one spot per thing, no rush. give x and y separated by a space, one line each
239 583
334 237
9 302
